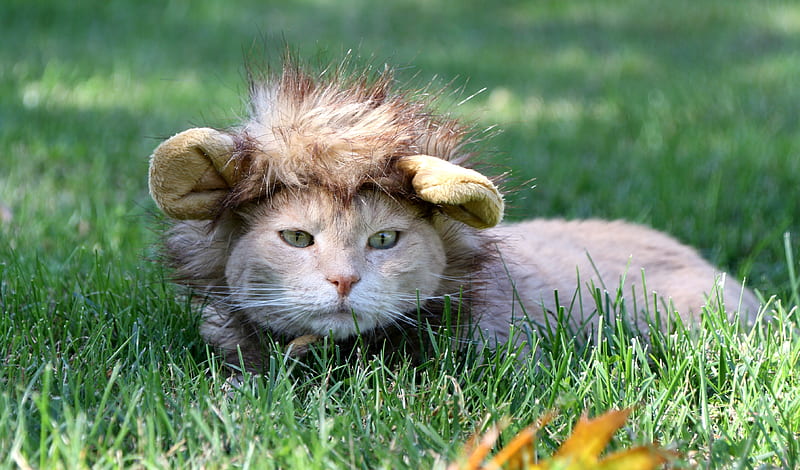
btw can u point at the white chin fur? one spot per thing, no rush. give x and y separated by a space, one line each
337 320
339 326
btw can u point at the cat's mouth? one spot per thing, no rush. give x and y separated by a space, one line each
347 314
344 311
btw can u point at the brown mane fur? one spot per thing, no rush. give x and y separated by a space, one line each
338 130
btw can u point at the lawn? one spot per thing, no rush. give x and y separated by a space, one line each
676 114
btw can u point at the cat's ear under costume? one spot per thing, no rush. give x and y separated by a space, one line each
190 173
463 194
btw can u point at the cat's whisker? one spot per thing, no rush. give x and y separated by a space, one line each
456 279
400 319
225 292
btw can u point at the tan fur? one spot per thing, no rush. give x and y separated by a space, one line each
342 158
576 258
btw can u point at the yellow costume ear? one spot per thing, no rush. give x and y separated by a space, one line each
190 173
463 194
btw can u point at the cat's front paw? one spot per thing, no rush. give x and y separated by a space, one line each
300 346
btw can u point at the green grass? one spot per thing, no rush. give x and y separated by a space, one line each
681 115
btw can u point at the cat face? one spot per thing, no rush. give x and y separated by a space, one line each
310 265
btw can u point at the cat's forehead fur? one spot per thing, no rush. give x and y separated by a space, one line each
315 210
336 130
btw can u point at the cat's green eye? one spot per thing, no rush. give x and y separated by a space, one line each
383 240
297 238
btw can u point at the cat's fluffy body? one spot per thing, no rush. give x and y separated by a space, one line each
318 157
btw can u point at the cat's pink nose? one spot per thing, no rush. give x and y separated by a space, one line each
344 282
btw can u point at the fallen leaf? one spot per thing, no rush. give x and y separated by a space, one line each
581 450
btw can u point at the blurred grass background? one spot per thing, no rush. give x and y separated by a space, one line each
677 114
682 115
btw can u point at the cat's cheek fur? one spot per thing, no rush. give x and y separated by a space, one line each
257 279
418 266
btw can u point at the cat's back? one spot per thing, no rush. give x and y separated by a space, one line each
605 241
543 255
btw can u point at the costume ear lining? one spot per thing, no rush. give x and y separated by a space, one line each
464 194
210 180
190 173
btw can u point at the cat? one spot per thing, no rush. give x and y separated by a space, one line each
342 207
